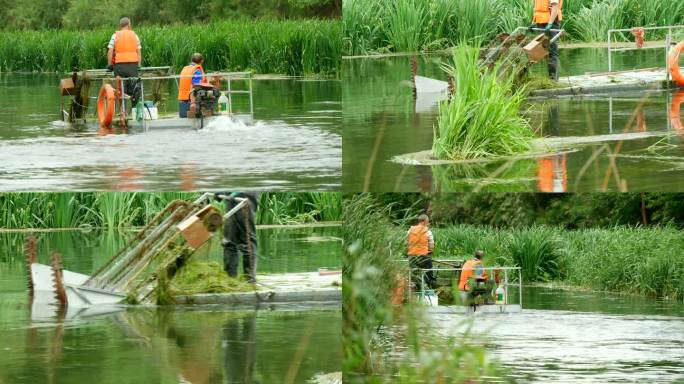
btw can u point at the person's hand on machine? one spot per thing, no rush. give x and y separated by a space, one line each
110 68
548 27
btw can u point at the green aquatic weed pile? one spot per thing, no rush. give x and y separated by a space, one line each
373 249
206 277
383 25
118 210
482 117
645 261
292 47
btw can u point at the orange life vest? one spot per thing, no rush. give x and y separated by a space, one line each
418 240
467 273
185 82
126 47
542 11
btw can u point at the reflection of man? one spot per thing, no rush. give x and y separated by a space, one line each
553 170
124 56
548 15
420 244
239 235
239 349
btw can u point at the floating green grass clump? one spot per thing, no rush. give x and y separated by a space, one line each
207 277
292 47
482 117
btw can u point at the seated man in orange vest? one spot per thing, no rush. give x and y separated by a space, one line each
548 14
192 78
124 57
472 269
420 245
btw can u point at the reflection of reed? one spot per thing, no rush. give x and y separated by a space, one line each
374 153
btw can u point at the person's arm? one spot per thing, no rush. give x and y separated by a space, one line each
110 50
431 241
139 51
554 13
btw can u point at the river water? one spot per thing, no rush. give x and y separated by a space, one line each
295 143
381 122
180 344
581 337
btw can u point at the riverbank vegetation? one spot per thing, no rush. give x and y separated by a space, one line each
119 209
630 243
90 14
482 117
291 47
374 328
380 26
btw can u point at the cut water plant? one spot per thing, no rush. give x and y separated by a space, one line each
482 117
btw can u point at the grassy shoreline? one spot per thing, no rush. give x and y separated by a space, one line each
631 260
291 47
381 26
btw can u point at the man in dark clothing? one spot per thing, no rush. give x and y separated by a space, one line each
239 235
548 15
124 58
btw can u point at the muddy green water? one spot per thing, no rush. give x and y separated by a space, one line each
209 344
582 337
295 143
380 120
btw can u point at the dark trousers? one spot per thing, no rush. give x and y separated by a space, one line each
131 88
553 51
183 108
428 277
239 239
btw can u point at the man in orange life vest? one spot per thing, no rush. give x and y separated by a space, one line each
474 269
420 244
192 76
124 56
548 14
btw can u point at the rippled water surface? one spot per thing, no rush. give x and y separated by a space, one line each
564 336
295 143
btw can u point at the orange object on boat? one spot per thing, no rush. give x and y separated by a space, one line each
673 63
106 100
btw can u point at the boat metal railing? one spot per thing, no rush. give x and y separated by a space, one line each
229 77
507 272
666 46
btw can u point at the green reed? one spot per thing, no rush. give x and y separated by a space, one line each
482 117
381 25
127 209
292 47
644 261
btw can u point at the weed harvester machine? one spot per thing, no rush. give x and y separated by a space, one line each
508 53
140 271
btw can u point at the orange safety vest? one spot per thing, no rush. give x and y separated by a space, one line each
467 273
185 82
418 240
542 11
126 47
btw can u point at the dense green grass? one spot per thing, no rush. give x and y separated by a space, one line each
123 209
292 47
645 261
381 25
482 118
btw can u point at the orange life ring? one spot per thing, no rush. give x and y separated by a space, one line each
675 107
673 63
106 101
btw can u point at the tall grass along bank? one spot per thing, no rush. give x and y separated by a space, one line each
646 261
482 117
372 26
125 209
292 47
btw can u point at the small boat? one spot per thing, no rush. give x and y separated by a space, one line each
113 109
